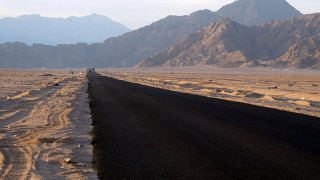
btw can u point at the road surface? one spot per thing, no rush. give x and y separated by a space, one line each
142 132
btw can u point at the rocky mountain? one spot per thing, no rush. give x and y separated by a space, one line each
289 43
34 29
252 12
129 49
304 54
123 51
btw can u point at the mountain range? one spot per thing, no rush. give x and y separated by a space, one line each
234 43
34 29
292 43
126 50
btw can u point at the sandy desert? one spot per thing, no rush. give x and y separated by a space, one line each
289 90
45 119
45 125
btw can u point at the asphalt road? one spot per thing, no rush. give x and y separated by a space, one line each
142 132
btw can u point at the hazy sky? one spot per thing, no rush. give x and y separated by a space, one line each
132 13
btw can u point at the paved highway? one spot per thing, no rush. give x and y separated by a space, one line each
142 132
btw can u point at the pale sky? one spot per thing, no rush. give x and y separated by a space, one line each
132 13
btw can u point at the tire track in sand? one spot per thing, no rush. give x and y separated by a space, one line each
35 145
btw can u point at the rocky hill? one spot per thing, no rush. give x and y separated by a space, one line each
34 29
289 43
305 54
129 49
252 12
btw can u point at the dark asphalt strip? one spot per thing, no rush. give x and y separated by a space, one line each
142 132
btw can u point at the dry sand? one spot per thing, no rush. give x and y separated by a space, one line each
44 127
289 90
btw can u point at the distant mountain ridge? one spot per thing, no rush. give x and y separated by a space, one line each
292 43
35 29
253 12
123 51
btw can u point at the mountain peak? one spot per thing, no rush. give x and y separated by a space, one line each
252 12
225 21
204 12
223 24
95 15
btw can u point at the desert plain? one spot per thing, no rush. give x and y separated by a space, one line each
45 121
45 125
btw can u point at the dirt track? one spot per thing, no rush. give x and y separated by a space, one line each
144 132
44 133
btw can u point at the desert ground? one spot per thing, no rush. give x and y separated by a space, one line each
45 125
45 120
289 90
